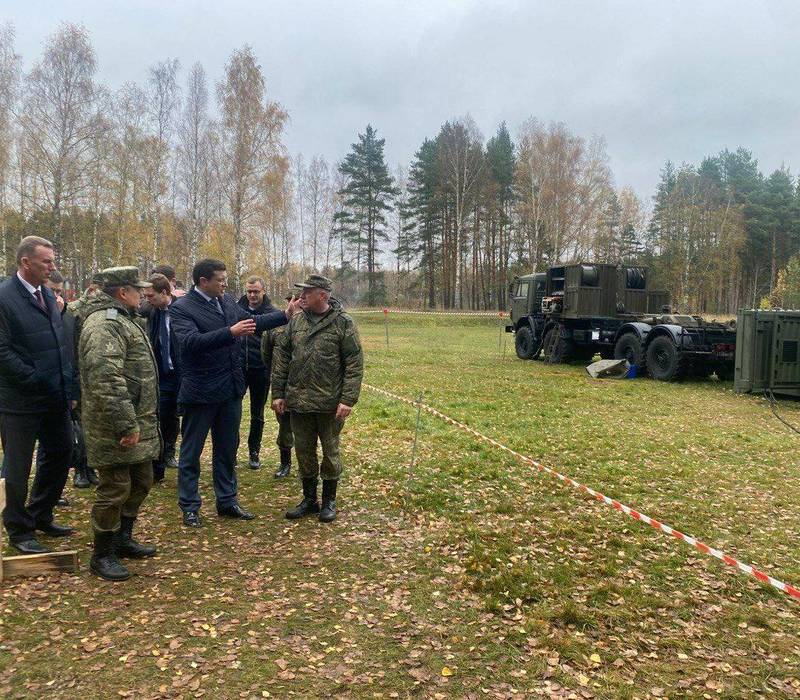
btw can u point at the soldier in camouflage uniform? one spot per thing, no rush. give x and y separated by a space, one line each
119 394
316 375
85 475
285 439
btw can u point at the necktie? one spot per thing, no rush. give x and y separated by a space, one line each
38 294
217 306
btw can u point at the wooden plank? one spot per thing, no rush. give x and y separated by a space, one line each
40 564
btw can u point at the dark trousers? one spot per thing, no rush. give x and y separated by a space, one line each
222 420
19 432
170 425
258 386
121 492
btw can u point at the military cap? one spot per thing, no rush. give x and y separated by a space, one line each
316 282
122 277
97 278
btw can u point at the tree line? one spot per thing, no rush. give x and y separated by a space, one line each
176 169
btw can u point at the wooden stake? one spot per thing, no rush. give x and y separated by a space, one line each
34 564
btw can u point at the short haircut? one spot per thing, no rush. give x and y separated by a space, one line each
56 277
27 246
111 289
206 268
167 270
255 279
160 283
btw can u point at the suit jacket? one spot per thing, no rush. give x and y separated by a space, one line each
209 356
170 381
36 374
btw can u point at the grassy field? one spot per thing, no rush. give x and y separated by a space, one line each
468 575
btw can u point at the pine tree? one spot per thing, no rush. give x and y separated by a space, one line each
368 196
425 214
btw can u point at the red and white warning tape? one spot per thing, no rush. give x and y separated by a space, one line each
636 515
484 314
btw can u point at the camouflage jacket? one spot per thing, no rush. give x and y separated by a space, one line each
317 366
268 340
119 384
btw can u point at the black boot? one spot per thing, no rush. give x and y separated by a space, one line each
309 503
91 474
79 479
286 463
255 462
126 546
328 512
104 562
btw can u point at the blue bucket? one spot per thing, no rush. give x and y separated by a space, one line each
633 372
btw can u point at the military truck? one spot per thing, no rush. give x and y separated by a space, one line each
574 312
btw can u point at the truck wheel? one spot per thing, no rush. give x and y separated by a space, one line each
664 360
555 349
629 347
724 374
524 343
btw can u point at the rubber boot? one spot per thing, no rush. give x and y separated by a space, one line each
309 504
126 546
104 562
91 474
79 479
328 512
286 463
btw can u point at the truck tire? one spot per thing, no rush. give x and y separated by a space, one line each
664 360
629 347
555 349
524 343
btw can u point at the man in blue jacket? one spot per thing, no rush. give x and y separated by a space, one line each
209 327
256 375
36 387
159 329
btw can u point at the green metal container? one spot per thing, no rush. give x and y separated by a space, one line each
767 352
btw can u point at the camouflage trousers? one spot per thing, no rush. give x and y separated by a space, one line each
308 428
121 491
285 439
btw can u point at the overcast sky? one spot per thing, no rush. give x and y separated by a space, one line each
660 80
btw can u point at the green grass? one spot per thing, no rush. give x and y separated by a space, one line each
470 560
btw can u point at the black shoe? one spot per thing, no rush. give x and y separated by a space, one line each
255 462
172 463
235 511
54 529
31 546
62 502
191 518
91 474
158 473
80 480
328 512
308 505
286 464
126 546
104 562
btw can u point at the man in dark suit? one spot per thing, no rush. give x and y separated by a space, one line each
256 376
209 327
159 328
36 386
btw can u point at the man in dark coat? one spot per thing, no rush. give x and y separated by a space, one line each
36 387
256 374
209 326
159 328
